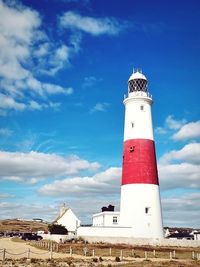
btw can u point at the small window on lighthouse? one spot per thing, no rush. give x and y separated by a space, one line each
141 107
132 124
147 210
115 220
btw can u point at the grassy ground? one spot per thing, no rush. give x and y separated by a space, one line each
21 226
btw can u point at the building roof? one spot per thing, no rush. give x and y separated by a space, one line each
137 75
61 215
180 235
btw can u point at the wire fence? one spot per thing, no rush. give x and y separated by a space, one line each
50 249
28 253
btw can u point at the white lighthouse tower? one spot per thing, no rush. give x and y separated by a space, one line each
140 206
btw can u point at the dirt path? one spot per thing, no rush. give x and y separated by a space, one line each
17 250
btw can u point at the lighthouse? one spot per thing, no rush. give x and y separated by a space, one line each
140 206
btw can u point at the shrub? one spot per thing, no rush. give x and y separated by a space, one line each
100 259
57 229
117 259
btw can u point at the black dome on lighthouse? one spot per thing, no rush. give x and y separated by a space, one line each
137 82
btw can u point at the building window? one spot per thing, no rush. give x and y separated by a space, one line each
114 219
132 124
141 107
147 210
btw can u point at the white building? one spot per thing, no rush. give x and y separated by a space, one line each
196 235
106 218
68 219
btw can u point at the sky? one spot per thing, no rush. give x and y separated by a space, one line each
64 67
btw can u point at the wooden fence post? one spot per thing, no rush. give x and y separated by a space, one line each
174 254
93 253
28 253
85 251
154 253
193 256
51 252
4 254
133 252
170 255
145 255
110 252
121 255
70 251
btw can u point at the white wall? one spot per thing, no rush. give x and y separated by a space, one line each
134 199
105 219
57 238
102 232
197 236
69 220
142 119
142 241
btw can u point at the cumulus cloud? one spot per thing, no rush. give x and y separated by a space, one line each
89 81
180 168
106 182
33 166
25 52
8 102
91 25
189 153
5 195
182 211
174 124
170 125
183 175
188 131
27 211
100 107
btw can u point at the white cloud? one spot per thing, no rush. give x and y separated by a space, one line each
94 26
182 211
183 175
100 107
5 195
174 124
188 131
28 211
32 166
106 182
170 124
160 130
180 168
7 102
89 81
5 132
189 153
35 105
25 52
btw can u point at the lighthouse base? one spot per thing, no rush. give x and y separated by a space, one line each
141 210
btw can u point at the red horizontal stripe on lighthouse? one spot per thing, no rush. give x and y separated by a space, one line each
139 162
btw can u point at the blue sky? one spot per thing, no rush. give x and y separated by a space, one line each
64 66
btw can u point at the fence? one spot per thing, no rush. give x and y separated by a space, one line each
91 250
26 254
70 251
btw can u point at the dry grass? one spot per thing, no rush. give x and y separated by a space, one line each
106 250
22 226
90 263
